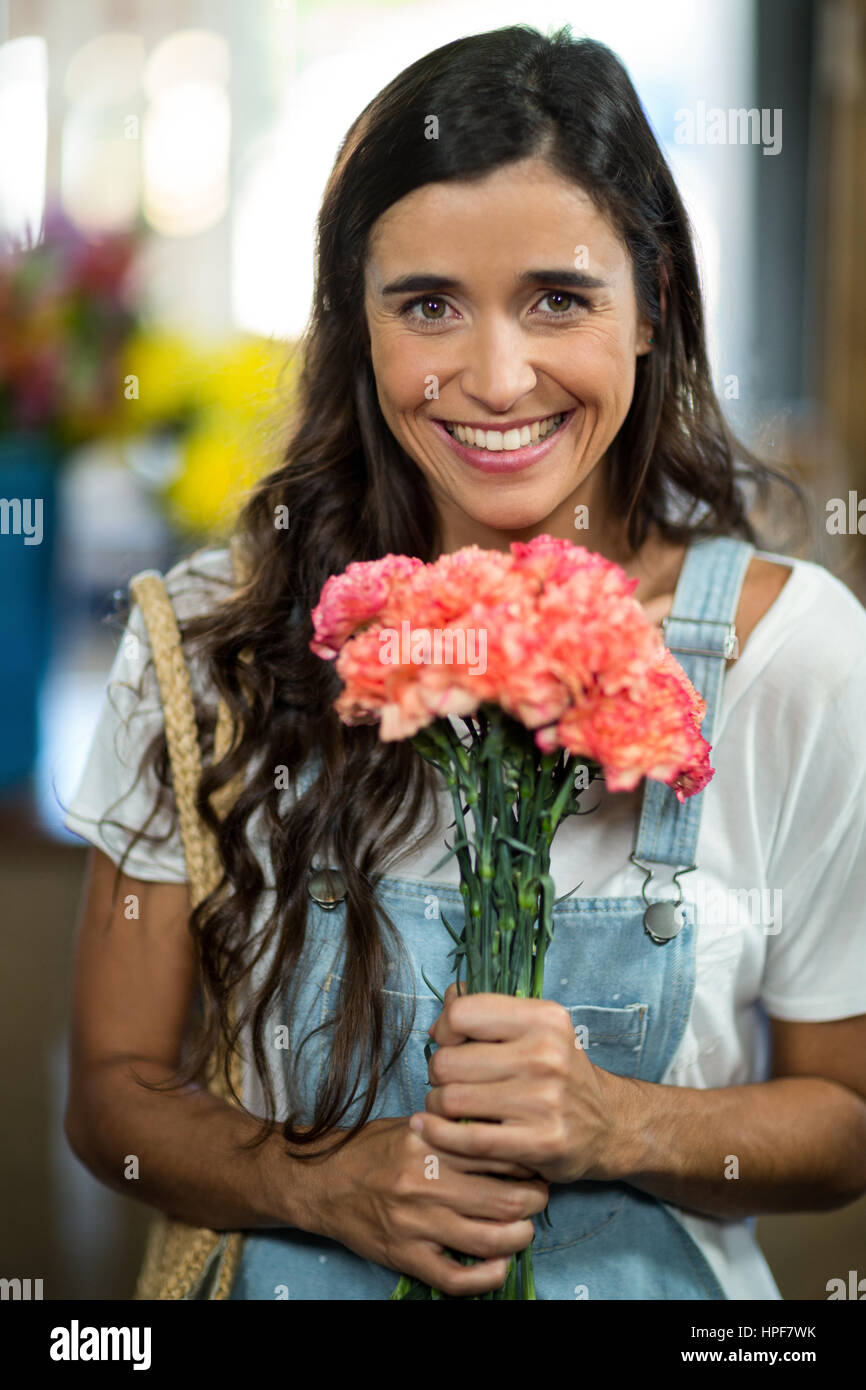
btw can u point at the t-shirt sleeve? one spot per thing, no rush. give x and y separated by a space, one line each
112 801
815 968
115 795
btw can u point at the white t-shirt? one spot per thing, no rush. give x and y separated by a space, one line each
780 888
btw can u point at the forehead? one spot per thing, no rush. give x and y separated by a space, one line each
520 213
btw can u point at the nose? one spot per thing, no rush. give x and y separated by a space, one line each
498 372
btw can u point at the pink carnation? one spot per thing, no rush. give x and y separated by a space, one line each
567 651
352 599
647 730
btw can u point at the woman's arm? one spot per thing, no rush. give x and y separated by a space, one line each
135 979
794 1143
133 989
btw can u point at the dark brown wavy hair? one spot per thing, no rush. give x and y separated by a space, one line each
352 493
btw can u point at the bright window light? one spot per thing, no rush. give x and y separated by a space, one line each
23 136
185 152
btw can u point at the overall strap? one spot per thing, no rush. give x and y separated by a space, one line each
700 632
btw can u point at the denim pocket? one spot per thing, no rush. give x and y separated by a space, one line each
611 1038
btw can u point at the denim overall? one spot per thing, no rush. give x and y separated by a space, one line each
628 995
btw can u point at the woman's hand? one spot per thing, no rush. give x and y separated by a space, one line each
395 1198
518 1062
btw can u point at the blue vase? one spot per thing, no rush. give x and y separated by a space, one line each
29 463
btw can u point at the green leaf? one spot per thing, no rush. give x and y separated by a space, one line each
450 930
455 849
568 894
433 988
516 844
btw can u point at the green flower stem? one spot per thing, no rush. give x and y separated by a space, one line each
527 1277
518 797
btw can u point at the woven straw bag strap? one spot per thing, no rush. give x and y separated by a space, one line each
183 1261
203 865
181 730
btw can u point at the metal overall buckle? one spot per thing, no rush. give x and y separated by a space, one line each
663 920
327 887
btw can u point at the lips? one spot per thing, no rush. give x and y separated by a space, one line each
503 460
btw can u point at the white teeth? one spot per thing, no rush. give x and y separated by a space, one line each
495 440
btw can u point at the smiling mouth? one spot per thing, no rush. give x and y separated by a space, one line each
503 451
508 440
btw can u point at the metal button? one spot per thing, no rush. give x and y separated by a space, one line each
327 888
663 921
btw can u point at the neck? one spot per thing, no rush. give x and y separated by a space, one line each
586 517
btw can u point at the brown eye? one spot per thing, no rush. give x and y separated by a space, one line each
574 307
424 302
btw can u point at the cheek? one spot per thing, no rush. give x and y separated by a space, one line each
603 369
401 368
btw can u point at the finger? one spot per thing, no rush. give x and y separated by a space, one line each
474 1061
488 1018
479 1139
507 1167
439 1030
489 1100
481 1197
484 1239
446 1274
499 1166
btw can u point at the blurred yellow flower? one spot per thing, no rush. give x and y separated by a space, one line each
221 458
229 405
162 374
247 374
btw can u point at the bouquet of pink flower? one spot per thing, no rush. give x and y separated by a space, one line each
558 677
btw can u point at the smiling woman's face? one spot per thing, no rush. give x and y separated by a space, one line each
512 297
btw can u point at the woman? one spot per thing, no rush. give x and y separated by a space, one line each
501 249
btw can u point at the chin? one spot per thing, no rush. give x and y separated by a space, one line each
511 516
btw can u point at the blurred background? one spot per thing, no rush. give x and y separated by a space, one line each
161 166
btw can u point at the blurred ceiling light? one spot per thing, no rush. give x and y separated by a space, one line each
109 66
99 168
198 53
186 134
23 135
99 180
186 157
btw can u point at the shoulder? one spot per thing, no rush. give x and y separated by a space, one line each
763 583
804 662
200 580
800 607
195 585
791 717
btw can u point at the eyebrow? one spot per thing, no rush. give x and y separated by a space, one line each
442 284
